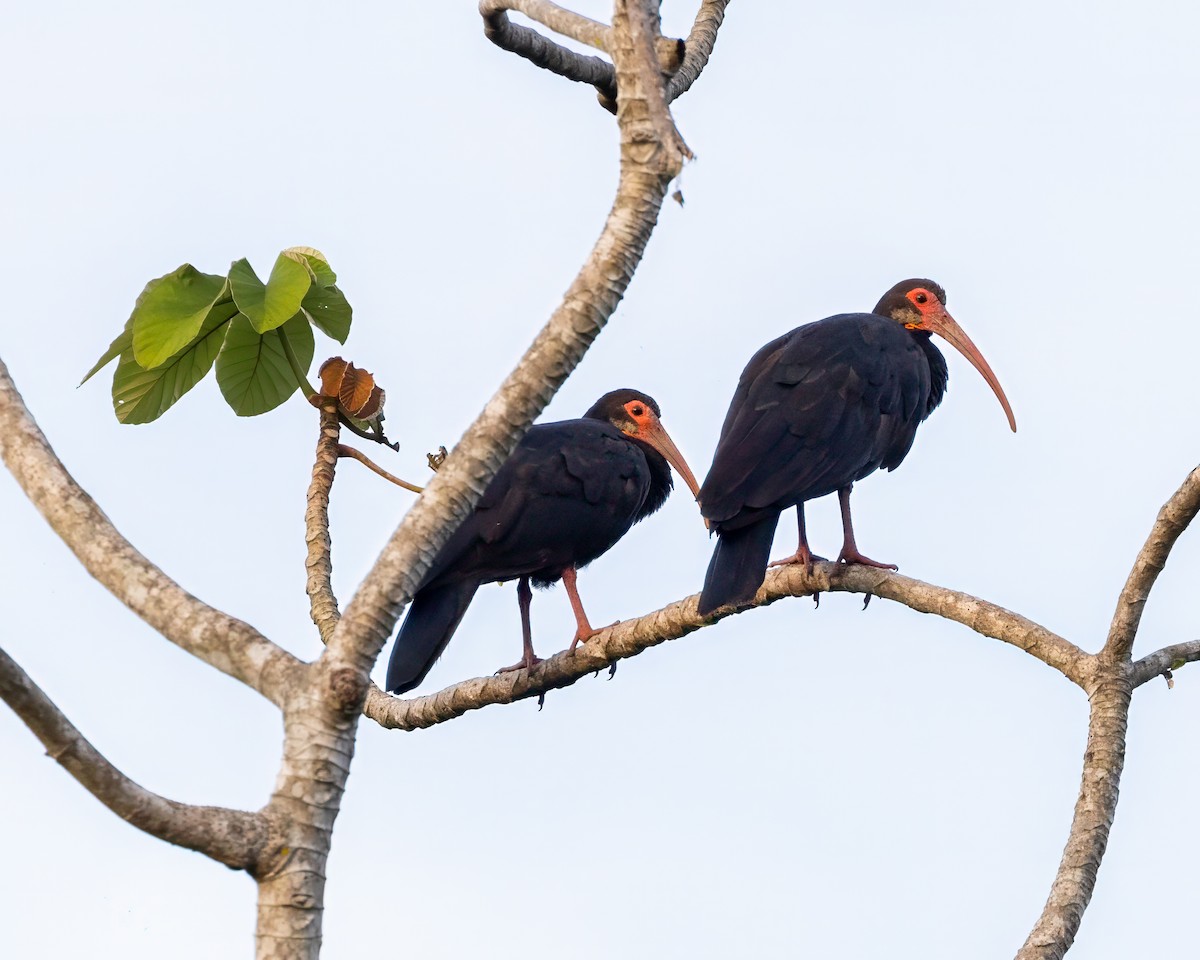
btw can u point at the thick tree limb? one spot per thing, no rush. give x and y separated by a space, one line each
1158 663
1103 761
232 837
224 642
678 619
1172 520
652 153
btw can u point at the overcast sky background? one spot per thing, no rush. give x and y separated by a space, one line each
790 782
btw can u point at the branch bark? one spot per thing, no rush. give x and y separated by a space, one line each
318 563
232 837
1157 664
678 619
652 153
232 646
1103 762
1172 520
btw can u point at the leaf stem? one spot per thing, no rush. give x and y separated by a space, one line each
294 363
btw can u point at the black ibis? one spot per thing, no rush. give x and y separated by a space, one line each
569 492
816 410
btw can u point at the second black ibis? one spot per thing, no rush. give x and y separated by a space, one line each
569 491
814 411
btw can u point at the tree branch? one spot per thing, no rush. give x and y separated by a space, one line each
319 561
543 52
652 153
1103 762
698 47
1172 520
678 619
232 837
1157 664
224 642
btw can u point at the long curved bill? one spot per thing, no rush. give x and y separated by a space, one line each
655 435
945 325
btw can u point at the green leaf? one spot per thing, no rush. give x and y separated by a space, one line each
322 272
253 371
170 312
273 304
327 309
123 343
141 395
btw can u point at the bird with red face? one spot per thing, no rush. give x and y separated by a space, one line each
816 410
566 495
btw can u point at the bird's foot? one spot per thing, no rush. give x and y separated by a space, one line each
525 663
853 556
583 636
806 557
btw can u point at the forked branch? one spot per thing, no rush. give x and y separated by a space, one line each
652 153
232 837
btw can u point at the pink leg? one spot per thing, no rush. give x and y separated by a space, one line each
850 552
524 598
583 629
803 554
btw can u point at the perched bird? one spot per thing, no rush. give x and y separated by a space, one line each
569 492
816 410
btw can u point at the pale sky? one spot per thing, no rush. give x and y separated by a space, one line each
791 782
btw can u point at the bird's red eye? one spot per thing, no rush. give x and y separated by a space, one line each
921 297
638 411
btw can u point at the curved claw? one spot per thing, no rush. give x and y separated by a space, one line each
525 663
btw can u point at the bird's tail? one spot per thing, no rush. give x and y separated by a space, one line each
739 564
432 619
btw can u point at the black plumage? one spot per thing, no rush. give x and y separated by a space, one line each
814 411
566 495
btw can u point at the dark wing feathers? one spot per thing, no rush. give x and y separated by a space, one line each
568 492
815 410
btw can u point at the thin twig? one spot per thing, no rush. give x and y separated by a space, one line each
345 451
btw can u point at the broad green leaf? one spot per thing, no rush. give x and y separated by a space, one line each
170 312
119 346
141 395
253 371
273 304
322 272
328 310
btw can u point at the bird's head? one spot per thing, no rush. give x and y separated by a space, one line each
921 306
637 415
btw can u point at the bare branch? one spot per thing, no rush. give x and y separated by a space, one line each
1158 663
232 837
652 153
543 52
224 642
1103 762
319 560
678 619
1172 520
352 454
698 47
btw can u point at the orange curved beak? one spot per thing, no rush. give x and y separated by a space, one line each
653 433
944 325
